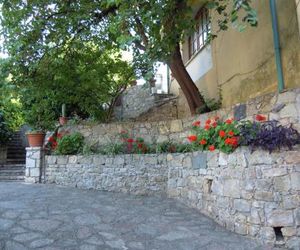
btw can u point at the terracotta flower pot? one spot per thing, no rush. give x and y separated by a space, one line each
63 120
36 139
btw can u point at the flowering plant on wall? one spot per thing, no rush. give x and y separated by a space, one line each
267 135
215 134
227 136
52 141
133 145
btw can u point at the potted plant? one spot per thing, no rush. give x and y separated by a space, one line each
63 119
40 120
5 135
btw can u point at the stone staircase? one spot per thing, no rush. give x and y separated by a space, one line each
14 168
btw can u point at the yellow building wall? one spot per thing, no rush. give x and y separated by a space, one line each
244 62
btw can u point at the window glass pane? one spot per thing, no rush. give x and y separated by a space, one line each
199 38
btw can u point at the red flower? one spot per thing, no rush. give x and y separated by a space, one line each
214 124
203 142
208 121
192 138
222 133
228 121
260 118
196 124
231 133
207 127
211 148
130 140
54 145
59 135
140 145
232 141
51 139
228 141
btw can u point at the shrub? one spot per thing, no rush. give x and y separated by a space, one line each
70 144
112 149
5 132
170 147
269 135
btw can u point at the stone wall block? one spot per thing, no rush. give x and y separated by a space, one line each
289 110
231 188
212 159
273 172
263 196
280 218
283 183
176 126
223 159
62 160
51 159
287 97
255 217
248 185
241 205
292 157
295 180
72 159
297 216
260 157
267 234
199 161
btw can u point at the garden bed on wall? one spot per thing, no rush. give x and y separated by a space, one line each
251 194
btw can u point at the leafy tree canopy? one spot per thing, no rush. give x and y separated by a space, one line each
153 30
10 106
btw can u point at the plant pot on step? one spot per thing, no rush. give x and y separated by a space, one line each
63 120
36 139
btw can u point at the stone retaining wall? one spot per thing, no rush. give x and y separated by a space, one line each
137 174
284 107
250 194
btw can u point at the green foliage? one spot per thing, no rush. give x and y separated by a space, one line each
5 132
150 29
90 149
171 147
112 149
10 106
70 144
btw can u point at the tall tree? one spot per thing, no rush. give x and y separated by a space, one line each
153 30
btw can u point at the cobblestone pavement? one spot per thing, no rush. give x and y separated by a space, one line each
51 217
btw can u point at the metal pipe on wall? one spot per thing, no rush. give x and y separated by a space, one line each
277 45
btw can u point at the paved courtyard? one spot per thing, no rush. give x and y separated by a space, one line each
51 217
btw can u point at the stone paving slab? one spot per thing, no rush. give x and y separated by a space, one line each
51 218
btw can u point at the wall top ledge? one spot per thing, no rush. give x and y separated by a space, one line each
34 148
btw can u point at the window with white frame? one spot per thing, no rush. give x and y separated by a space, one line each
199 38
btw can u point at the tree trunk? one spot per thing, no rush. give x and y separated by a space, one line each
189 89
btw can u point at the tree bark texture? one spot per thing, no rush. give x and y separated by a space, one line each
189 89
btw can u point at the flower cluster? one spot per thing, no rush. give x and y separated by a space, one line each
132 145
52 141
215 134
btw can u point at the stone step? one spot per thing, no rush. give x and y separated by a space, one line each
12 172
16 154
7 165
12 178
16 161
